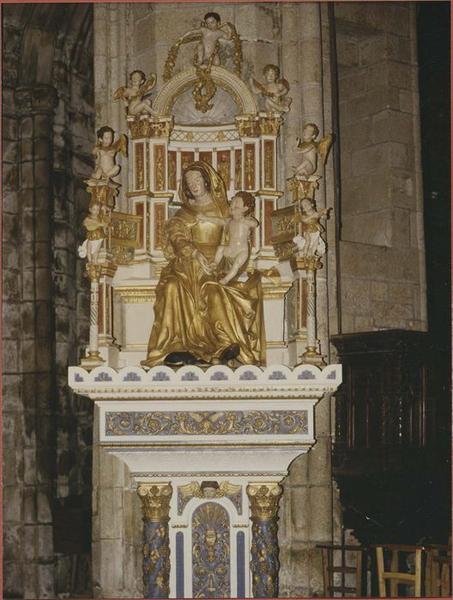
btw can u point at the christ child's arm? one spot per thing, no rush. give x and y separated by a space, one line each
216 220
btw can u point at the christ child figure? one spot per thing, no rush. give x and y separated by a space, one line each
133 95
235 252
105 152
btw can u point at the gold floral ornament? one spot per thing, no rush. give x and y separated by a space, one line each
125 236
155 501
204 89
264 500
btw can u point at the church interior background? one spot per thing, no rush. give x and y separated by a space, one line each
308 402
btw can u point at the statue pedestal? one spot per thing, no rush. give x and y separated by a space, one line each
206 450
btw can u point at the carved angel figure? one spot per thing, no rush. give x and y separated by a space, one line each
274 90
310 243
105 152
210 33
310 149
133 95
96 225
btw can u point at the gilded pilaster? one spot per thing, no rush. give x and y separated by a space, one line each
156 549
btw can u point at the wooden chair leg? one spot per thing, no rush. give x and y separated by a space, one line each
394 567
445 581
429 575
418 573
380 570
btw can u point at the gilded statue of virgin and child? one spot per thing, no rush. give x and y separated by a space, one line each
205 311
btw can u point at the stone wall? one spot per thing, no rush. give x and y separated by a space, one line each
382 243
48 135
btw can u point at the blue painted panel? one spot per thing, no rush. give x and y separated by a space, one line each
240 565
180 564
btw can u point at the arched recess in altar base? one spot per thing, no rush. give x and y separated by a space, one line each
182 537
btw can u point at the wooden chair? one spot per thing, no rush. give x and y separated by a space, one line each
330 552
438 571
394 574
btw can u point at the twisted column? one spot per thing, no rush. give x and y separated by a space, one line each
156 545
93 357
264 565
311 354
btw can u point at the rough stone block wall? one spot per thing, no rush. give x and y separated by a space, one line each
382 246
48 135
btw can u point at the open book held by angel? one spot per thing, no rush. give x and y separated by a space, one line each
134 94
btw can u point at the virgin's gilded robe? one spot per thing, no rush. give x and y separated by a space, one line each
193 312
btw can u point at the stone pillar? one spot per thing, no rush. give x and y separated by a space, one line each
310 505
36 105
264 499
156 548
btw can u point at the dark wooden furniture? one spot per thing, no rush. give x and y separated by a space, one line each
346 563
396 570
438 571
391 452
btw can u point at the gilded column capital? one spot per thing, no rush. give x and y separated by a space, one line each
155 501
264 500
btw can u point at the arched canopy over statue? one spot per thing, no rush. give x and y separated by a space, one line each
196 318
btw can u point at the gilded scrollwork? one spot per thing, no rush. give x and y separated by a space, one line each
134 423
149 127
204 90
248 125
270 124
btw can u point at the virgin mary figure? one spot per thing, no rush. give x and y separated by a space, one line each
197 319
